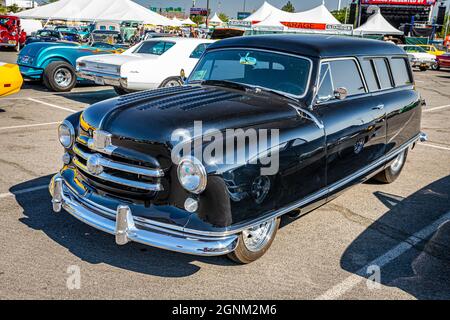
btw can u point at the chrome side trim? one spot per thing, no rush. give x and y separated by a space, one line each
271 215
154 173
125 229
121 181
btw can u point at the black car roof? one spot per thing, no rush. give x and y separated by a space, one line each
322 46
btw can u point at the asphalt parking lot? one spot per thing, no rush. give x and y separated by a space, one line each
398 234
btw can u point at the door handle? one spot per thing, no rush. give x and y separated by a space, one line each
378 107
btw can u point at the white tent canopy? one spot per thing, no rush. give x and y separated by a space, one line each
377 24
96 10
176 22
319 14
188 22
215 19
271 22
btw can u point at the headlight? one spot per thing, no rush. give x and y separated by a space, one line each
66 134
192 175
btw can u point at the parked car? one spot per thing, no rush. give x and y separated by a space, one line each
82 33
54 62
151 64
126 170
443 61
107 36
11 33
45 35
10 79
419 58
431 49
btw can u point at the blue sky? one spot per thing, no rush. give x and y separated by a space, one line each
230 7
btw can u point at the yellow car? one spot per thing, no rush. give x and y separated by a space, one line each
10 79
429 48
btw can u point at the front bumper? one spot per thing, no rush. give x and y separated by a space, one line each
126 228
423 63
103 79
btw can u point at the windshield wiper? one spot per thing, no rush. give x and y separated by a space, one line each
247 87
225 83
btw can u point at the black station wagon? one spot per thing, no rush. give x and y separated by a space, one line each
264 126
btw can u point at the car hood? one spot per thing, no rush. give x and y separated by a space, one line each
119 59
152 116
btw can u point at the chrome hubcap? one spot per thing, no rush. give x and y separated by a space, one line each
257 237
172 83
63 77
398 162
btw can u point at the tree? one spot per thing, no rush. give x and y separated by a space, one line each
3 10
14 8
288 7
223 17
197 19
340 14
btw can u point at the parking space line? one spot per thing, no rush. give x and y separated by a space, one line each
360 275
51 105
436 108
434 146
29 125
9 194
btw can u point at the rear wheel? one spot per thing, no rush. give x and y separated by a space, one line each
391 173
171 82
435 67
60 76
254 242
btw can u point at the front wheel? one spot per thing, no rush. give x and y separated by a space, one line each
391 173
254 242
60 76
171 82
435 67
423 68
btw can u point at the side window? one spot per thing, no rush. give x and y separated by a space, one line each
345 74
400 72
369 72
197 53
381 66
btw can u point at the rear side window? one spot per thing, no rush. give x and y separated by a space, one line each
381 66
154 47
400 72
197 53
369 72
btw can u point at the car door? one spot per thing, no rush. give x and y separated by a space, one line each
354 122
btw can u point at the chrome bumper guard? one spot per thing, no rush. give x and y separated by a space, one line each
125 229
106 79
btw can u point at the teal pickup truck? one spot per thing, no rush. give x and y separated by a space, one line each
54 62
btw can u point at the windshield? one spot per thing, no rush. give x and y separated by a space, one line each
414 49
154 47
4 21
274 71
47 33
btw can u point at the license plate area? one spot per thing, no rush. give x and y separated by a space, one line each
99 81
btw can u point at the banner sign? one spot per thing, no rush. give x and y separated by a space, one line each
239 23
243 15
199 12
400 2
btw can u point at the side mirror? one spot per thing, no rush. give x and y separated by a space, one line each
340 93
183 76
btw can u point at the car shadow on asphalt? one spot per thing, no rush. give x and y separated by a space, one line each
87 97
97 247
423 270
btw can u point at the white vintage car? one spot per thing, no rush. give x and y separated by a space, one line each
419 58
148 65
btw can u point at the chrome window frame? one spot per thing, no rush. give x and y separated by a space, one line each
361 75
308 83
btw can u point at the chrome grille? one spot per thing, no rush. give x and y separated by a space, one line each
96 162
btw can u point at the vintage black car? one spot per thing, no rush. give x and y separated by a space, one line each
326 112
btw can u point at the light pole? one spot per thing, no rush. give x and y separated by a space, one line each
207 13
